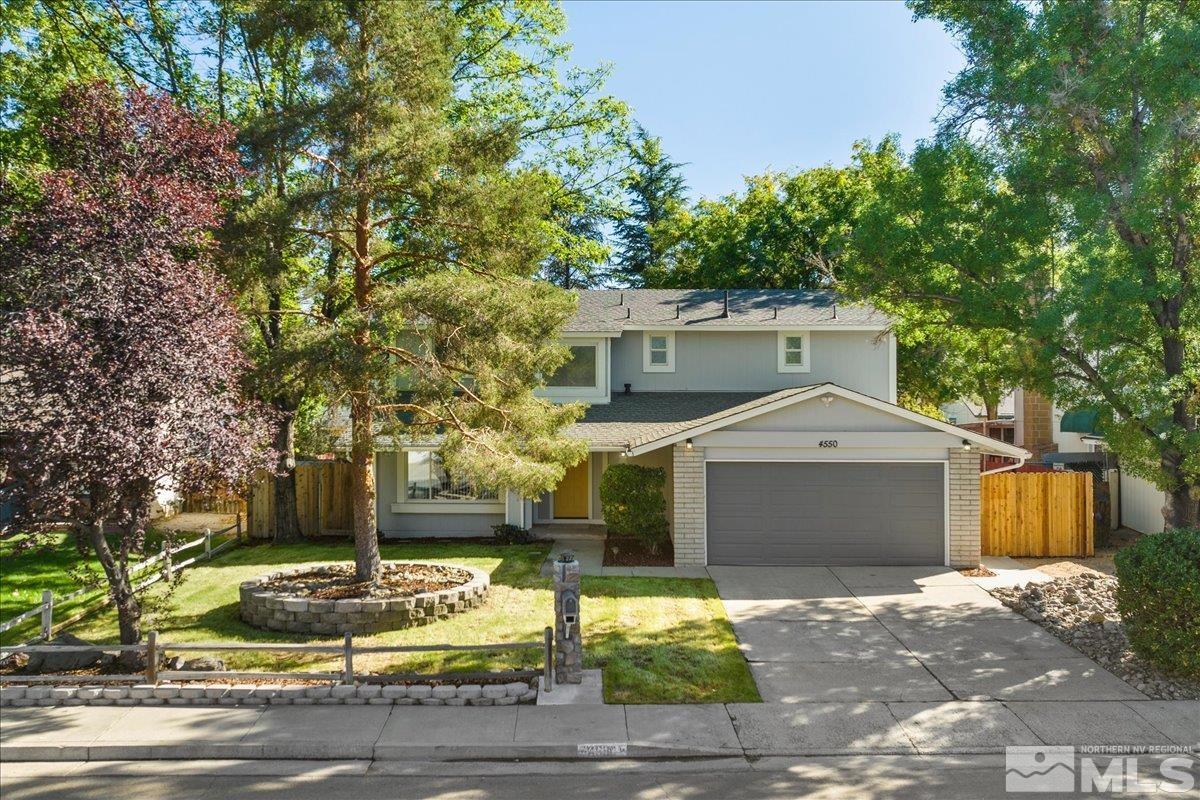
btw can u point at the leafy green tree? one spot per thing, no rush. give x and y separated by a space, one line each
784 232
259 80
46 45
1091 110
656 194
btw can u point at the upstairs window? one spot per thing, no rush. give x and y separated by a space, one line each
579 371
793 351
658 351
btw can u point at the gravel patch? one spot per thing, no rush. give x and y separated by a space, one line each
1081 610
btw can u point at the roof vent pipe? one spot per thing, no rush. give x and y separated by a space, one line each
621 299
835 309
725 313
677 311
628 312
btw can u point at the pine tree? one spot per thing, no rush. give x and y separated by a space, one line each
433 235
657 192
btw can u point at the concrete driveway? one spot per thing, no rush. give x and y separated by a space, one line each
897 635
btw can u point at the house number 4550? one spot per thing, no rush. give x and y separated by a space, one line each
827 443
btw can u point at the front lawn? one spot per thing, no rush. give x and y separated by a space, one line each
657 639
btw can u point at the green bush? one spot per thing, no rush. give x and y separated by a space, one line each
504 534
631 498
1158 596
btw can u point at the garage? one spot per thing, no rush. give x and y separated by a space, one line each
826 513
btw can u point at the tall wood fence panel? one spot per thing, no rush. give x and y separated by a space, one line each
1037 514
323 505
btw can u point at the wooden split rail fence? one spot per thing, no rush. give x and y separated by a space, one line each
153 651
167 567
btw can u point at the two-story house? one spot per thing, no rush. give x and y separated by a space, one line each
774 416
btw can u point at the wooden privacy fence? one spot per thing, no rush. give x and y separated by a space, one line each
322 501
1039 514
154 651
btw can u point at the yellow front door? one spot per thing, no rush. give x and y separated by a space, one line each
571 496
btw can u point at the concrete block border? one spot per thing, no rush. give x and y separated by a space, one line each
276 611
252 694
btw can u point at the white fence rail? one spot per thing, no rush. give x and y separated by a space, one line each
165 558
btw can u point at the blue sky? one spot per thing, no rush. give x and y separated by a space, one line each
738 88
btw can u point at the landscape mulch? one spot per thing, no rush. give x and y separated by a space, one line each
629 551
337 582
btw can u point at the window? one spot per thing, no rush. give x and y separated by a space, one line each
658 351
580 371
427 479
793 351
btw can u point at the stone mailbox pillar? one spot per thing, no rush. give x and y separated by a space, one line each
568 638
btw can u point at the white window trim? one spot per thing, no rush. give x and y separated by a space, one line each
404 505
781 347
599 388
646 365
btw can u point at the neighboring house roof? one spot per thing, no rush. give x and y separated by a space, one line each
615 310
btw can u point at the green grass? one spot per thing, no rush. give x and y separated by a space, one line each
56 565
658 640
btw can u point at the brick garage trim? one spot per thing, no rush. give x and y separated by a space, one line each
964 509
689 534
275 611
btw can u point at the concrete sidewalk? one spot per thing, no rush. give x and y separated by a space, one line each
427 733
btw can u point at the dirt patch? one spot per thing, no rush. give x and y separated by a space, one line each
337 582
977 572
1100 563
629 551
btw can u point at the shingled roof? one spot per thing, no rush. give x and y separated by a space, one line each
613 310
638 418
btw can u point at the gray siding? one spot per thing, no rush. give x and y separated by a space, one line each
417 525
840 415
798 513
748 361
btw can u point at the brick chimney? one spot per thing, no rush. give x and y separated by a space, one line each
1034 423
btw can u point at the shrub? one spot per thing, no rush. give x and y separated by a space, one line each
1158 596
631 498
505 533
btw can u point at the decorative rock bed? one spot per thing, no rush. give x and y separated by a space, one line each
1081 610
250 694
277 601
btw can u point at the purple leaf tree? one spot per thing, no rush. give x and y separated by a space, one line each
120 349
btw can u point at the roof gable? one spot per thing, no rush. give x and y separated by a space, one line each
780 400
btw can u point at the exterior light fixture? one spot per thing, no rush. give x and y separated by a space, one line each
827 399
966 446
688 444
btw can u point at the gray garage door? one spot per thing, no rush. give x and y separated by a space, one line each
825 513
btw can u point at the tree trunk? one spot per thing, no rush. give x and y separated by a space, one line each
1183 498
367 563
287 523
120 589
1182 509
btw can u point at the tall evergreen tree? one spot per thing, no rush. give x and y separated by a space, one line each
656 193
433 233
